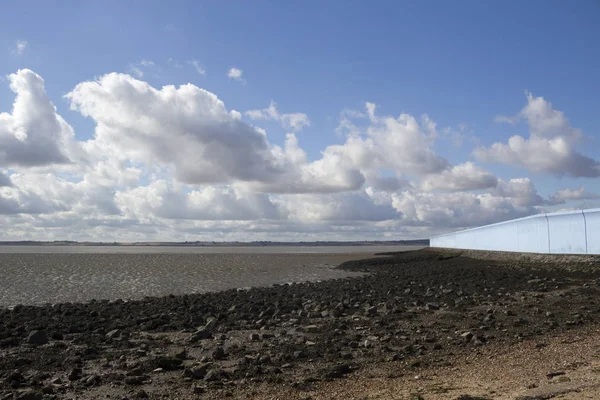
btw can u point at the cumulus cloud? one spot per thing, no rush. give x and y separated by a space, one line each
163 200
550 147
186 128
564 195
33 134
466 176
235 74
5 180
293 121
174 163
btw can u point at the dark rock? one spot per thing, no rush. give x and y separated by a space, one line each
135 380
37 338
552 374
48 389
168 363
113 334
213 375
338 371
141 395
30 395
199 372
218 354
75 374
200 334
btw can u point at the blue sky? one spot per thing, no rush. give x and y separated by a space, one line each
461 63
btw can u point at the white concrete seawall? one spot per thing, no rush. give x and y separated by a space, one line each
570 232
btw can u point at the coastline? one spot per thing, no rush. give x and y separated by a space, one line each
414 313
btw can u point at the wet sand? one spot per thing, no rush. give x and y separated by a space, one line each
424 324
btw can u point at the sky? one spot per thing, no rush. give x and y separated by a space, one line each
294 121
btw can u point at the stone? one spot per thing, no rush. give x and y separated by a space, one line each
199 372
198 390
30 395
135 380
37 338
338 371
182 354
213 375
467 335
254 337
48 389
169 363
311 329
218 354
141 394
75 374
432 306
200 334
113 334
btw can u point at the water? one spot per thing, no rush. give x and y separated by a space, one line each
56 274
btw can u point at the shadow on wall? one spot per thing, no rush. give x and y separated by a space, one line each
570 232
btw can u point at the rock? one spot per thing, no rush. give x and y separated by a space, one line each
266 359
338 371
552 374
168 363
37 338
218 354
113 334
432 306
198 390
199 372
56 381
200 334
141 395
75 374
311 329
213 375
135 380
30 395
48 389
182 354
92 380
467 335
254 337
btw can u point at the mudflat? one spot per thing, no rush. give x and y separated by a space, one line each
424 324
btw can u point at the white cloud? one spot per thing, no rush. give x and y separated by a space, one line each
293 121
33 134
187 129
173 163
198 67
235 73
466 176
550 147
564 195
20 46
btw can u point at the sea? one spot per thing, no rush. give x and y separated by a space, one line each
33 275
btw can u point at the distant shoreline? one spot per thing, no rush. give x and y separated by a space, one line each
418 242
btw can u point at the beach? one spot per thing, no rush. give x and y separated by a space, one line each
421 324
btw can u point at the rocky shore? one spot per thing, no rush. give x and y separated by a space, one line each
413 311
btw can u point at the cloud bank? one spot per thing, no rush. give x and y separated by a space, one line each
174 163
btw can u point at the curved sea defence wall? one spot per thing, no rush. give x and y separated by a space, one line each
570 232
